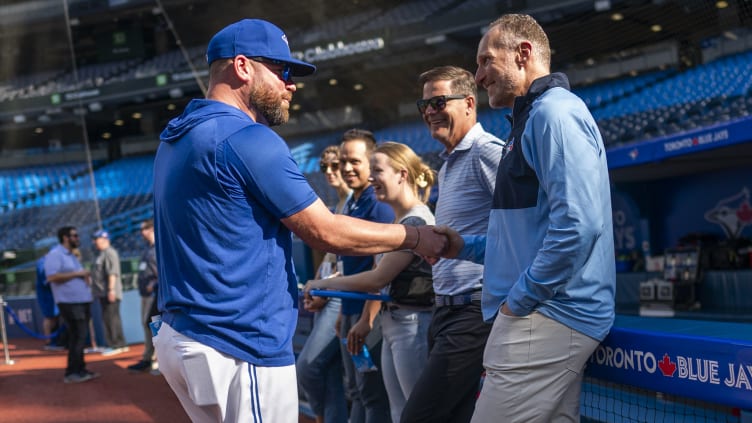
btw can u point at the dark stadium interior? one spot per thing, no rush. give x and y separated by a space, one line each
86 85
95 81
35 39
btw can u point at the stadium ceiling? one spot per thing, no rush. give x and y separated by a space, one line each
380 83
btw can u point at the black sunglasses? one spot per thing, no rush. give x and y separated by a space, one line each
285 74
325 166
437 103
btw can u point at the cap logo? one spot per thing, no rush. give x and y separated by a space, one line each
256 38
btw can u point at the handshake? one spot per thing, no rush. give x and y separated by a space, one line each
435 242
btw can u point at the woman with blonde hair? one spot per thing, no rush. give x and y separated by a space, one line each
401 179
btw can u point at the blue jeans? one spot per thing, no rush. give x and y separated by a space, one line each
368 396
404 353
319 367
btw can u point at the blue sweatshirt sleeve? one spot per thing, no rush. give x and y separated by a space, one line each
564 152
474 249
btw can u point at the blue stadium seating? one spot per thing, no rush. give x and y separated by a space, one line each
727 77
711 93
46 203
627 110
16 184
597 95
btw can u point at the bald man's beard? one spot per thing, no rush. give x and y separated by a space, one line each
269 105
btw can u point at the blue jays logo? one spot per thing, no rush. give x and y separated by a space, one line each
507 147
733 214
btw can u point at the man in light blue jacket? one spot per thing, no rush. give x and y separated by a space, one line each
549 275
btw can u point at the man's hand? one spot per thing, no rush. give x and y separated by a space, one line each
452 240
506 311
86 275
455 243
430 243
111 296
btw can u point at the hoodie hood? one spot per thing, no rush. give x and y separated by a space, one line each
197 112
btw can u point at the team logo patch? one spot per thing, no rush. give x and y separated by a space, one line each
732 214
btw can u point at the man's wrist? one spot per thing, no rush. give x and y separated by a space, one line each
408 242
417 241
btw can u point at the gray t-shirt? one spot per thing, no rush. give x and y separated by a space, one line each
107 263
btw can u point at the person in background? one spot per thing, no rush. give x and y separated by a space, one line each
228 196
107 287
401 180
329 164
319 364
147 288
467 177
70 288
549 276
52 320
93 348
359 318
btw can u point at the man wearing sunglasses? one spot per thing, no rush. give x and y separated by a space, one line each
467 178
70 288
227 197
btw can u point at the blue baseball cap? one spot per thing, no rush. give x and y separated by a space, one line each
100 234
255 38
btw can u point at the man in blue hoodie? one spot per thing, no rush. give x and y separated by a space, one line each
227 198
549 274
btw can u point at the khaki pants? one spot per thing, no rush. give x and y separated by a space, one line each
534 369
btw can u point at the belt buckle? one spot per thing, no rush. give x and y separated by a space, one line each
451 300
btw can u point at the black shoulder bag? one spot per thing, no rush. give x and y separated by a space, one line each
412 288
